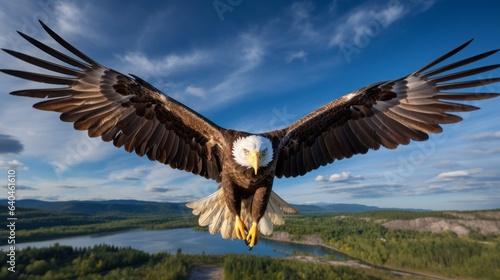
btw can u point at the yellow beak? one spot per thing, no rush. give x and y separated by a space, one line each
254 161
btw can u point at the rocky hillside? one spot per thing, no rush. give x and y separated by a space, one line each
486 223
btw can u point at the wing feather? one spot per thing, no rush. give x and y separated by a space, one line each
384 114
363 134
123 109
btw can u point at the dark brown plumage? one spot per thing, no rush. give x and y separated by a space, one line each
133 114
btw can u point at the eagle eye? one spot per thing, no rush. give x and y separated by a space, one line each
246 152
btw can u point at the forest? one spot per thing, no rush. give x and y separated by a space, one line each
475 256
108 262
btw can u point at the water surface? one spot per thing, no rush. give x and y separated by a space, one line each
188 240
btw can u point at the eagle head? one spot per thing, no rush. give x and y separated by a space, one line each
253 152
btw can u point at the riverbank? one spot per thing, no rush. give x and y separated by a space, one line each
310 239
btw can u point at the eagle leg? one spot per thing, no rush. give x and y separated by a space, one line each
240 228
253 236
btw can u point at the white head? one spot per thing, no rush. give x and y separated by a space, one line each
253 151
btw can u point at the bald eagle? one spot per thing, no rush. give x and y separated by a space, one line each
132 113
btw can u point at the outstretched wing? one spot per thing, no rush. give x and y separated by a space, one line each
126 110
386 113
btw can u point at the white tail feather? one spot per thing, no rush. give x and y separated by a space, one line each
215 214
216 222
265 225
227 229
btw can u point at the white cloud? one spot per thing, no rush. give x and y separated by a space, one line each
451 175
319 178
13 164
344 176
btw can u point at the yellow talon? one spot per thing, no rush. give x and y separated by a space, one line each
253 236
239 228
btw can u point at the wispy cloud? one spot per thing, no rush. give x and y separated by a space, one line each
196 91
70 18
484 151
160 189
445 188
26 188
364 22
375 186
447 163
128 174
148 67
460 181
252 50
302 20
13 164
54 141
486 136
70 187
155 181
246 55
357 186
371 190
240 56
478 202
126 178
298 55
141 170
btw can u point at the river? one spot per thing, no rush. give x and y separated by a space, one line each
190 241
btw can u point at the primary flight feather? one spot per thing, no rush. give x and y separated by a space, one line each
132 113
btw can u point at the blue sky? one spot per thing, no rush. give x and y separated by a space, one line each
256 66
